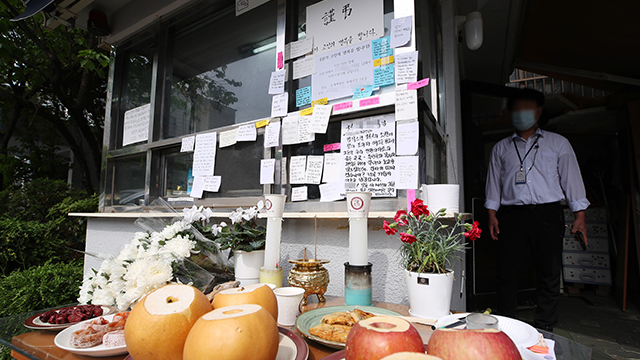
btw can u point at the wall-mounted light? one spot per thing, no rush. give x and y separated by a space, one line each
472 29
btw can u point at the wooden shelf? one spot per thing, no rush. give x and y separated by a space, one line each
225 214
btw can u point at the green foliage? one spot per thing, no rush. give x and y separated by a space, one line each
244 236
93 61
33 200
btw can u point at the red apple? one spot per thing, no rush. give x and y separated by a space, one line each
484 344
411 356
379 336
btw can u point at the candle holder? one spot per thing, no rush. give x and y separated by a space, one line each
357 284
310 275
271 276
274 206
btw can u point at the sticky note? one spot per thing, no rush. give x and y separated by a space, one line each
332 147
418 84
383 61
406 172
247 133
362 92
299 193
280 60
381 47
323 101
411 197
276 82
343 106
370 101
280 105
383 75
187 144
303 96
267 171
262 123
306 112
212 183
228 138
401 31
331 191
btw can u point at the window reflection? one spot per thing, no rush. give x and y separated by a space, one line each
128 181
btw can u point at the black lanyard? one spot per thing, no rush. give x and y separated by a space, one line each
522 159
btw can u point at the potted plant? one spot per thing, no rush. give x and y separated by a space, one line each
427 252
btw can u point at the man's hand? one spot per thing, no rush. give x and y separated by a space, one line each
494 229
580 225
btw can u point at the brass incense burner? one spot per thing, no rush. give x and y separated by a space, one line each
310 275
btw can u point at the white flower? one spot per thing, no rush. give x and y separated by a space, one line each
207 214
180 247
260 205
103 297
236 216
217 229
250 213
192 214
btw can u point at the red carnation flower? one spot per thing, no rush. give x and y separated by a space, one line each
388 229
419 208
474 233
407 238
401 218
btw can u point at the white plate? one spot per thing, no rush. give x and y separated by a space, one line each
287 349
521 333
63 341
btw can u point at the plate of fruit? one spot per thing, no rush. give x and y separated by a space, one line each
62 318
100 337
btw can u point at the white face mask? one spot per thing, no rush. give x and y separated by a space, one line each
523 119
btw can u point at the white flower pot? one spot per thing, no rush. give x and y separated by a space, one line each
429 294
247 266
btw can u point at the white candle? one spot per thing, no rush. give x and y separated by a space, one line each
272 246
358 241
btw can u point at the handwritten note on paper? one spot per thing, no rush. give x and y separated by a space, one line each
313 174
212 183
332 163
407 67
383 76
332 147
406 103
303 96
276 83
370 101
198 187
299 193
418 84
280 105
304 67
331 191
228 138
401 31
204 156
343 106
247 133
368 151
272 135
304 130
320 118
406 172
339 72
290 129
301 47
407 138
297 169
187 144
382 47
136 125
267 171
362 92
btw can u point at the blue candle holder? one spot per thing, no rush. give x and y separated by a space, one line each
357 284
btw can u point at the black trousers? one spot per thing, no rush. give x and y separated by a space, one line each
536 231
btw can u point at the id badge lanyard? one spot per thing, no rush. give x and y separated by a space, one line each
521 175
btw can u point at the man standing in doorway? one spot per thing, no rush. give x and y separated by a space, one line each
530 172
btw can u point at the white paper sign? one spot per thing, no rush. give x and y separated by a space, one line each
187 144
401 31
272 134
247 133
228 138
242 6
301 47
407 138
313 173
276 83
406 103
341 71
332 163
406 172
136 125
299 193
212 183
267 171
304 130
320 118
297 169
304 67
204 156
197 187
368 153
279 105
335 24
331 191
406 67
290 128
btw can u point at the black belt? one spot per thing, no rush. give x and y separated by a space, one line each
531 207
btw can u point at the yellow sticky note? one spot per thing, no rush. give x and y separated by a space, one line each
262 123
384 61
323 101
307 111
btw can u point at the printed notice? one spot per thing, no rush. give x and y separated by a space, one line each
247 133
304 130
272 135
299 193
136 125
290 129
362 92
368 154
313 174
276 84
228 138
297 169
406 172
339 72
320 118
382 47
401 31
332 164
212 183
187 144
407 67
303 96
301 47
198 187
280 105
406 103
304 67
407 137
383 76
204 156
267 171
331 191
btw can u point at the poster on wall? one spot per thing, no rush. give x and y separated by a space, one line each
136 125
368 155
335 24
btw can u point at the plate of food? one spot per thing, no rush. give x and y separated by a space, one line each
521 333
62 318
330 325
100 337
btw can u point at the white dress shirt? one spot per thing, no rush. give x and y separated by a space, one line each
551 167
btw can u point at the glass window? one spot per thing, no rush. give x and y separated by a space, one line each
128 179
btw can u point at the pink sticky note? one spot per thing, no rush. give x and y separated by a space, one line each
418 84
332 147
411 197
370 101
280 60
343 106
